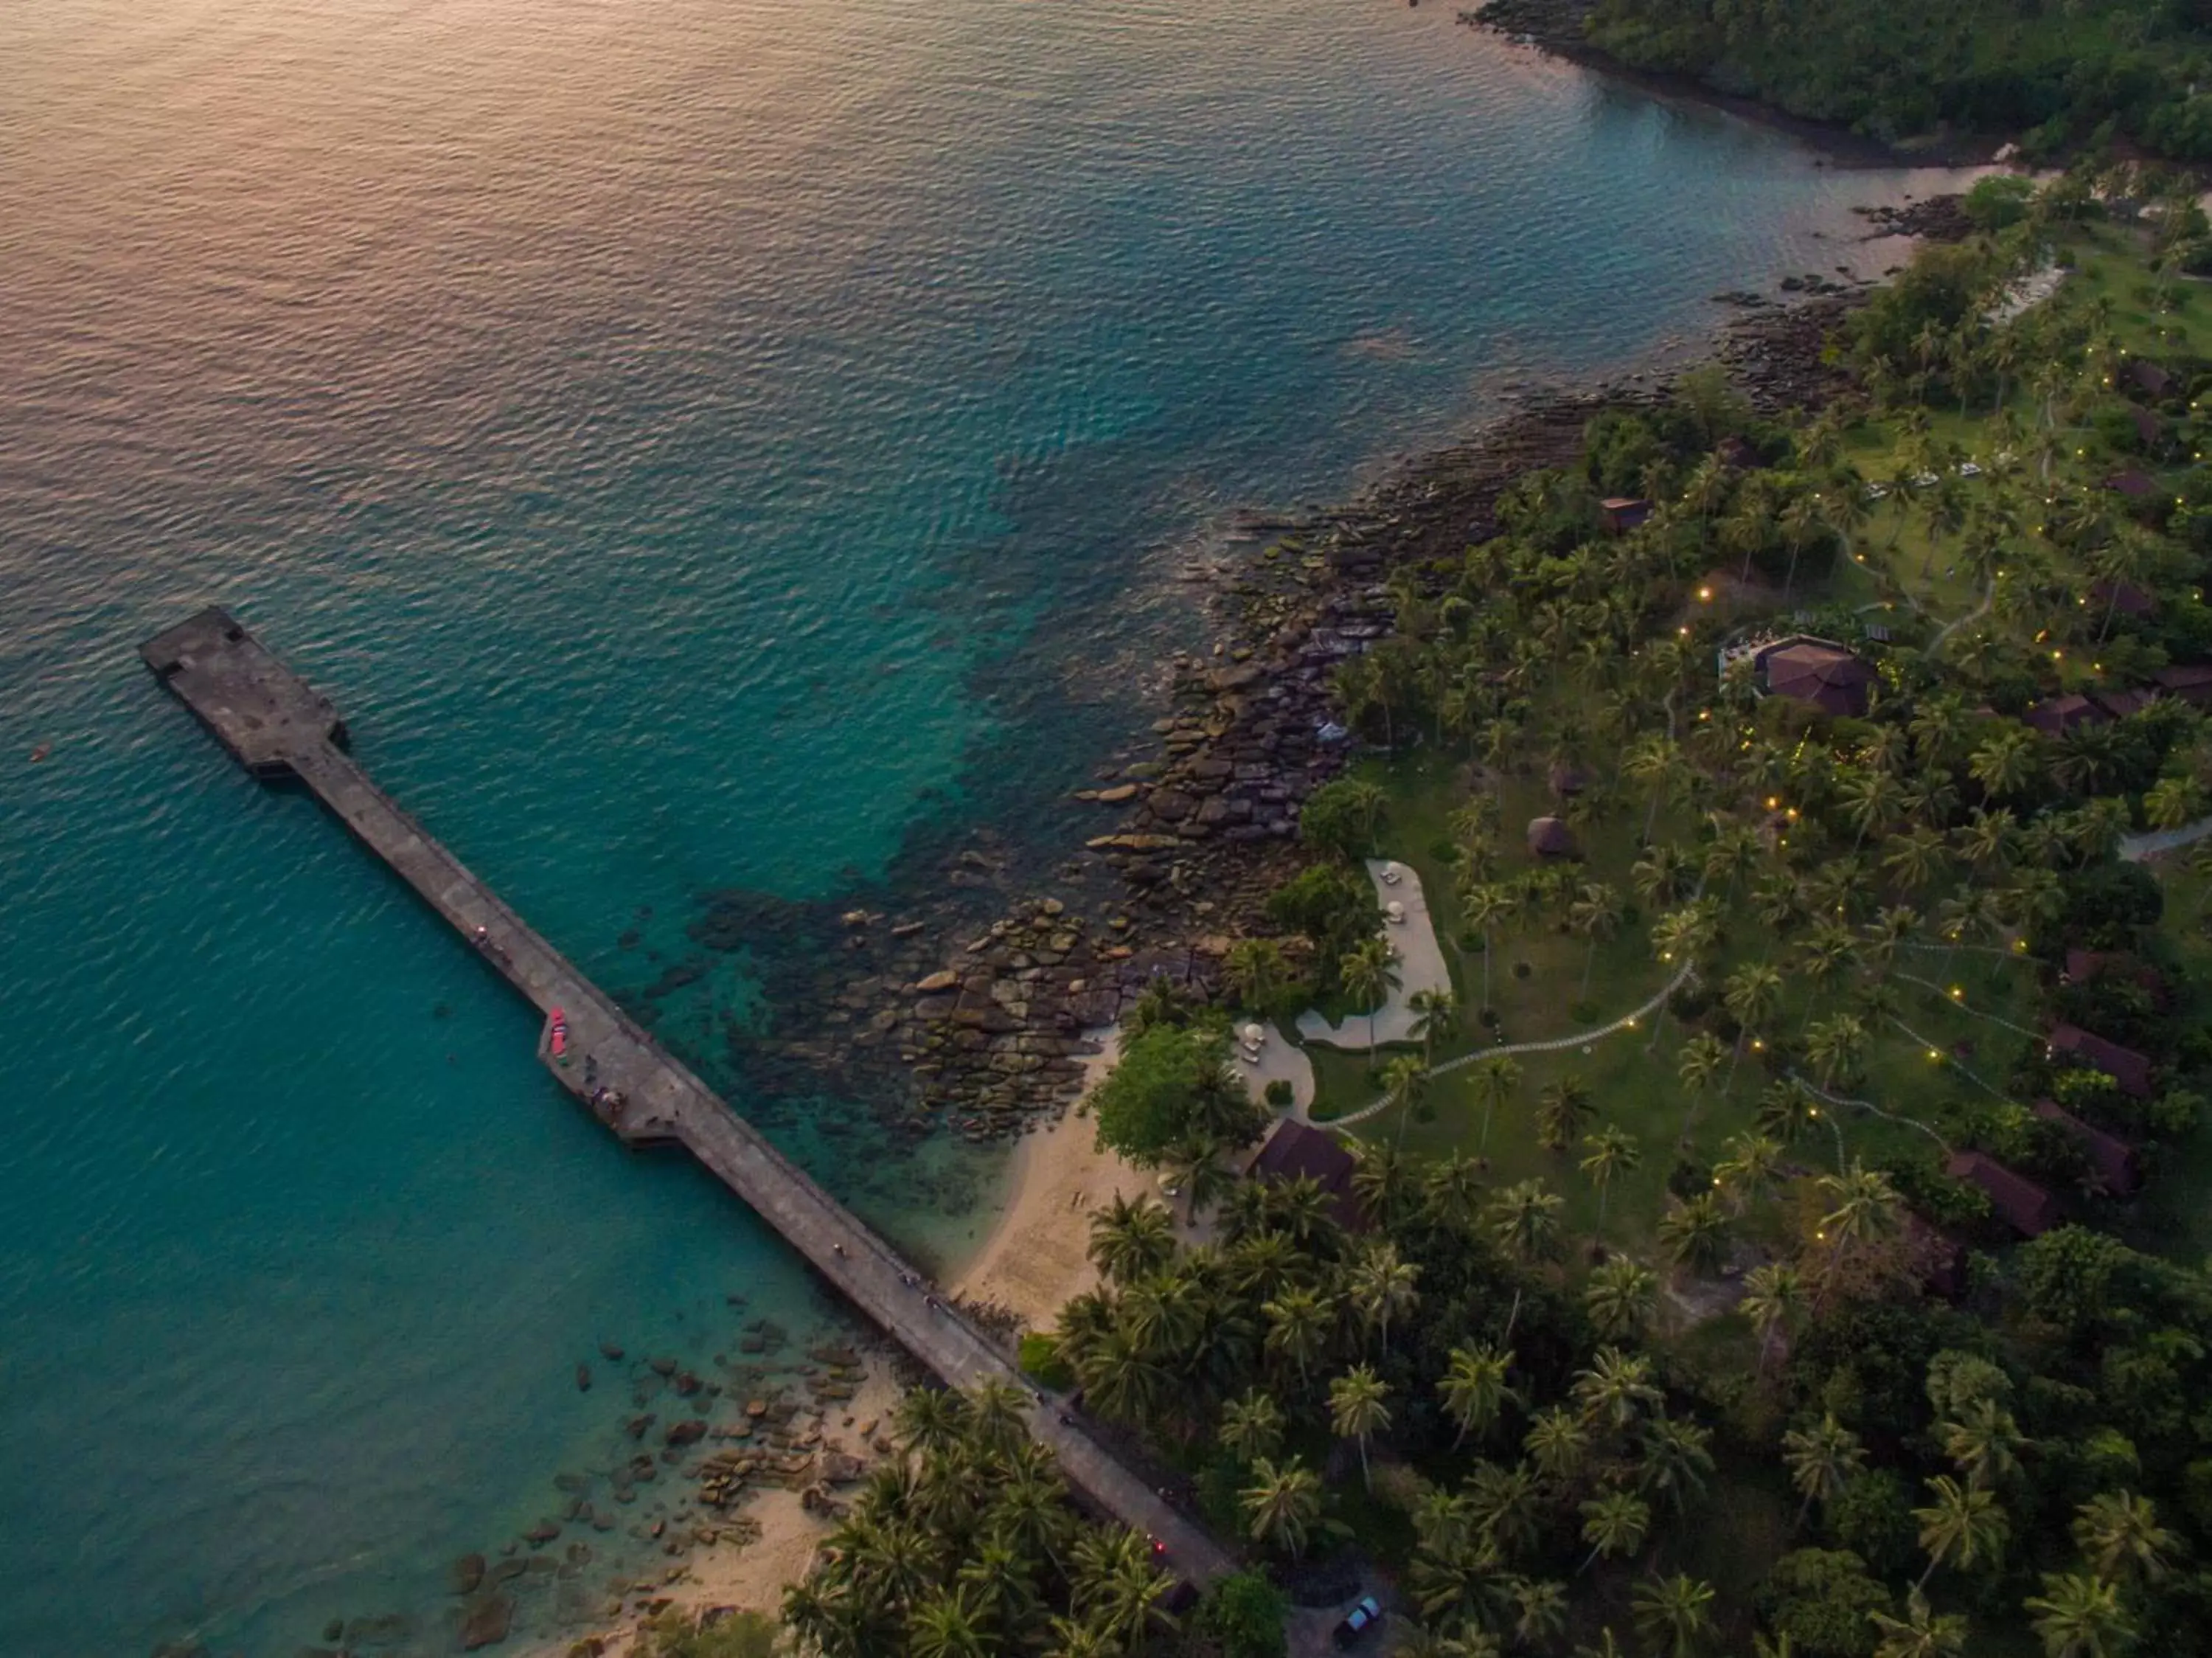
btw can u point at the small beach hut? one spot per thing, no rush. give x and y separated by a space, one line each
1620 513
2054 716
2110 1158
1550 837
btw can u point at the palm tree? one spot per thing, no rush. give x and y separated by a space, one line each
1357 1411
1435 1018
1298 1328
1131 1241
1381 1287
1482 907
2078 1616
1750 1166
1561 1110
1821 1460
1920 1633
1474 1389
1557 1442
1620 1298
1251 1426
1677 1459
1615 1390
2173 802
1595 914
1871 799
1496 1080
1405 1079
948 1624
1834 1045
1653 761
1540 1611
1369 973
1661 876
1915 857
2004 763
1751 994
932 1420
2119 1536
1614 1525
1674 1614
1963 1526
1524 1218
1866 1207
1610 1151
1122 1378
1282 1504
1696 1234
1257 970
1983 1443
1773 1299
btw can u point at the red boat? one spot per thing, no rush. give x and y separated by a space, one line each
557 1039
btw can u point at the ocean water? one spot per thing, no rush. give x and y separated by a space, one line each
701 444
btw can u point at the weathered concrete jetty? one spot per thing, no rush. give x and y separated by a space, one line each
280 729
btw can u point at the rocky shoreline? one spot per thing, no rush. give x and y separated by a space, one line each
942 1022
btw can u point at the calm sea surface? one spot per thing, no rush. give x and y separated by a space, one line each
701 444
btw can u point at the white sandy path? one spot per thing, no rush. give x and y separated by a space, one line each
1420 967
1281 1060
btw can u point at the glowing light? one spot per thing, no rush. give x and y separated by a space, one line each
1958 993
1932 1054
1704 592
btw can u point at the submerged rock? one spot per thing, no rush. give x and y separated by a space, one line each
465 1575
487 1622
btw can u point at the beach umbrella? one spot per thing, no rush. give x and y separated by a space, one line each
1253 1036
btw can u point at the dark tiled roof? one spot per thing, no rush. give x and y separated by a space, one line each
1552 838
2056 715
1828 676
2024 1206
2114 1158
2130 1069
1295 1152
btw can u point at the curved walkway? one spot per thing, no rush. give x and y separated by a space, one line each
1550 1045
2134 849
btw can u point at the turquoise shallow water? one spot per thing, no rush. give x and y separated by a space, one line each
700 444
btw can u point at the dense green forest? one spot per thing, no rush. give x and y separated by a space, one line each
2050 72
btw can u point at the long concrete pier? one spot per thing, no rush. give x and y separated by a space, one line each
278 727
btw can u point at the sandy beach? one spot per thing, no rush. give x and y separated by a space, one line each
1034 1259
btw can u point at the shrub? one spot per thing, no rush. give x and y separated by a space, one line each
1244 1617
1041 1362
1280 1094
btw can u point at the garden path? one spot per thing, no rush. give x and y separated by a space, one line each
1420 967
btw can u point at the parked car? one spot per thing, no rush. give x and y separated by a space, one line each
1363 1617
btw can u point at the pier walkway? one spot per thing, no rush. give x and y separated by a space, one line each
276 726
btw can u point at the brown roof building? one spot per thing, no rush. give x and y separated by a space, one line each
1621 513
2020 1202
2190 681
2113 1158
1295 1152
1815 671
2126 597
1550 837
2057 716
2130 1069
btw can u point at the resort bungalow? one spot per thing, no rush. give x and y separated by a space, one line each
2190 681
1294 1152
1550 837
2121 703
2054 716
2110 1158
1816 671
2136 485
1567 779
2149 378
1622 513
2024 1206
2087 966
2125 598
2071 1045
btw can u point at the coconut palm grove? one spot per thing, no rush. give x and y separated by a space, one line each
1786 1237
